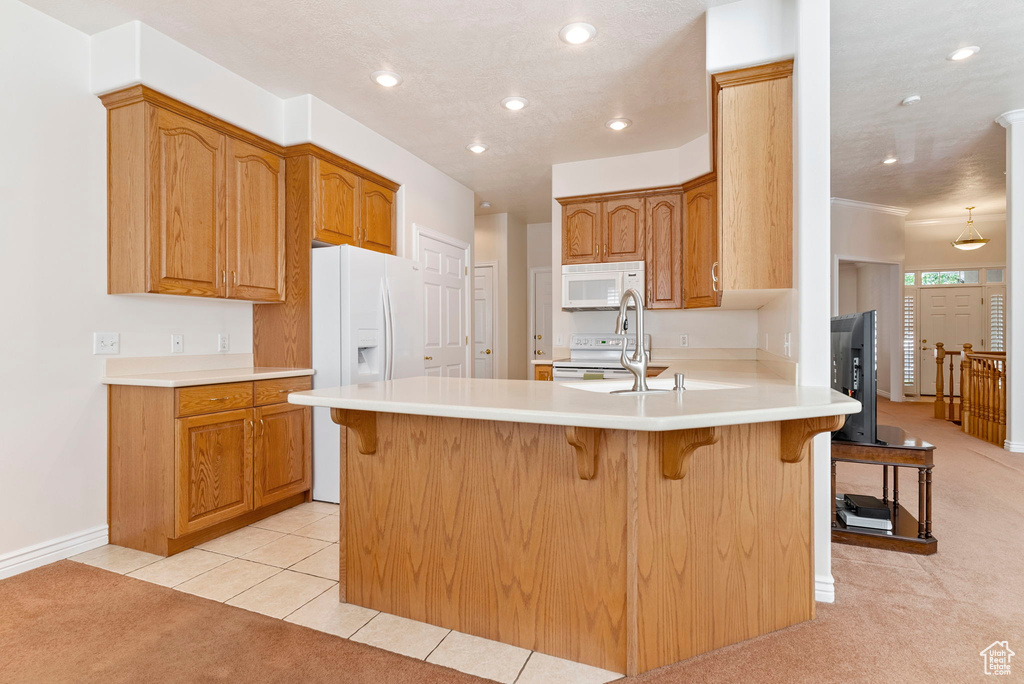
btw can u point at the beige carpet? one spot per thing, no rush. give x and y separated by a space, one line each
898 617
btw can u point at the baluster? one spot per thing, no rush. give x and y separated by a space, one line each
940 354
965 388
952 390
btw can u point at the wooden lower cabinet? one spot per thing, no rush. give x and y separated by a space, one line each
543 371
179 476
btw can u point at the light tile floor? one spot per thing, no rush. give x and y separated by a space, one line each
286 566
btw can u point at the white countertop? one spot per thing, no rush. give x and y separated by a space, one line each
756 396
204 377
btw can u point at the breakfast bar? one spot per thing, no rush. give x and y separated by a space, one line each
624 532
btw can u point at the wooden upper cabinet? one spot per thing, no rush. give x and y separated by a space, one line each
256 228
700 245
622 223
377 217
336 204
213 481
664 268
581 233
281 458
754 154
187 206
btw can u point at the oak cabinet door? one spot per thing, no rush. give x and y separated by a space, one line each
664 270
581 233
282 456
377 217
336 202
700 238
187 206
256 227
213 478
623 229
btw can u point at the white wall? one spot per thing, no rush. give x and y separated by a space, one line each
538 245
53 262
501 238
866 287
518 301
53 253
749 32
705 328
867 232
927 243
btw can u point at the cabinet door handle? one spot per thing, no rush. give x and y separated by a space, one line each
234 277
218 399
223 277
714 277
262 427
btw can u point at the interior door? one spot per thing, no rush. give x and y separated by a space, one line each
281 459
255 238
951 315
542 315
187 206
483 322
446 328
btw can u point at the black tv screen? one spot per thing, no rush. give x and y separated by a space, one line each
853 373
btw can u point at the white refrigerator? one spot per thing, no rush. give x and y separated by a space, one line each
367 326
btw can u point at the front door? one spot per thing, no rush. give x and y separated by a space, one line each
483 322
953 316
446 329
542 315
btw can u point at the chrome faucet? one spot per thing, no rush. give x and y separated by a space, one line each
637 364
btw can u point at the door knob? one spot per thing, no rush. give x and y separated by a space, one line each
540 352
428 358
487 351
540 337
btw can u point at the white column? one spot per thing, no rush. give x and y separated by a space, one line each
1013 122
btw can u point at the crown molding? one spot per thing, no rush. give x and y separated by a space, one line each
955 219
1006 119
880 208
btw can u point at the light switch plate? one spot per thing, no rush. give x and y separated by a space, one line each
684 340
177 344
106 343
223 343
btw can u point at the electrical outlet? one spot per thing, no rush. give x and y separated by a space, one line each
177 344
786 346
684 340
106 343
223 343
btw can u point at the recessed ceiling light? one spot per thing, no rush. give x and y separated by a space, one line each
514 103
578 33
889 160
476 148
963 53
910 100
485 205
618 124
388 79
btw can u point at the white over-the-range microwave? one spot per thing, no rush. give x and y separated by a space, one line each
599 286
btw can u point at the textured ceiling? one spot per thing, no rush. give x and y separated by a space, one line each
951 152
458 59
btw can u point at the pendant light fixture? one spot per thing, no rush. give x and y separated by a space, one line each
969 238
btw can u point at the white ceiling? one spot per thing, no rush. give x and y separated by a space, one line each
951 152
458 59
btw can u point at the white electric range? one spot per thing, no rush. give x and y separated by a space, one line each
595 356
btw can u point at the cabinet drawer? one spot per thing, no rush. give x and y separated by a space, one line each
276 391
192 401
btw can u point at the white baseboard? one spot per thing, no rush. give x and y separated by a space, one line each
19 561
825 589
883 393
1015 447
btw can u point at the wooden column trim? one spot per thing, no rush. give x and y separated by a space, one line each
797 433
362 423
584 441
679 445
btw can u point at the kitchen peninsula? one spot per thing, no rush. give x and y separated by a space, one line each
624 532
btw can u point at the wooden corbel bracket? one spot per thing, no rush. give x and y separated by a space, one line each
797 433
678 446
584 441
362 423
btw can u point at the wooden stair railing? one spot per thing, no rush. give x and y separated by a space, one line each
943 410
983 395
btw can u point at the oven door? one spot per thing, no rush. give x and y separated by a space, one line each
599 290
577 374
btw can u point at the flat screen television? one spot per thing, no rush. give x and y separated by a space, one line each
853 373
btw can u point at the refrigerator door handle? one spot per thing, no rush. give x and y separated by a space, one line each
389 330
